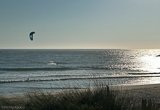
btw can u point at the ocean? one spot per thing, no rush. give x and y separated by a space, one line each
25 70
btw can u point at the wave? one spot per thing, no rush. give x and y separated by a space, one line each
62 88
35 69
143 73
63 75
73 78
58 68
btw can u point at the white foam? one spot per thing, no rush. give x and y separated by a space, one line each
52 63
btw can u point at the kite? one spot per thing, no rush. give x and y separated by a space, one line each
31 35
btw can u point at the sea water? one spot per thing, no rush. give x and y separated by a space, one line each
25 70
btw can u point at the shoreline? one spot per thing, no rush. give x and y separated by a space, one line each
152 90
131 96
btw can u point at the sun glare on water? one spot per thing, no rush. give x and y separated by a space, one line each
150 63
148 66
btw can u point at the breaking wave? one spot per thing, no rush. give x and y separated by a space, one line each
74 78
59 68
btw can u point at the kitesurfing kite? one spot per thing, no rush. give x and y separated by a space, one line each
31 35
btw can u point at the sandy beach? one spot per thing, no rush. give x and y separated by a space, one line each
130 94
150 91
139 92
144 91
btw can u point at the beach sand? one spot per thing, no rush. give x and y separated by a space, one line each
139 92
150 91
145 91
132 94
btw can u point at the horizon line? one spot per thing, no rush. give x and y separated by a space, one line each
78 48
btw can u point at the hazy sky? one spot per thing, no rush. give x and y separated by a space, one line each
80 23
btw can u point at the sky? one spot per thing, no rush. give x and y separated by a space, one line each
80 24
